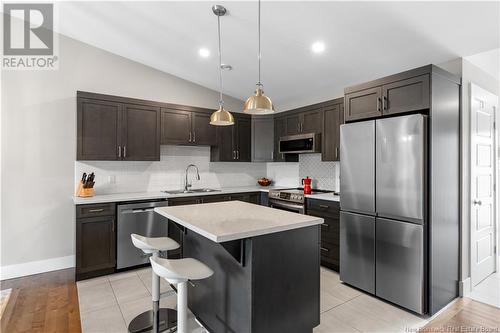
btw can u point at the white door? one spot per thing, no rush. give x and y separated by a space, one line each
483 240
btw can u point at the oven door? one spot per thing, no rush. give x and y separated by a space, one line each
288 206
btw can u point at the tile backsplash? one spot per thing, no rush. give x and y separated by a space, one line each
168 173
325 175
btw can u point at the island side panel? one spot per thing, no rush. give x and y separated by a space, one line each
286 281
221 302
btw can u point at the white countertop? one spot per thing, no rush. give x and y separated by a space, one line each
120 197
324 196
231 220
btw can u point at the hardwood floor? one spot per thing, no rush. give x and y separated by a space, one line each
466 315
45 302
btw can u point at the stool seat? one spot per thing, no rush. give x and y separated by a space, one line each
154 244
180 269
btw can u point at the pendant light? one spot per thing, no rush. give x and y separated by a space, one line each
221 117
259 103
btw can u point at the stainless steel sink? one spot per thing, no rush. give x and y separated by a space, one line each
196 190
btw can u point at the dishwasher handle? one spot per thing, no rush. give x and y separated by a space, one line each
137 210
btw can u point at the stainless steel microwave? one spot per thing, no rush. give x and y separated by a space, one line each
301 143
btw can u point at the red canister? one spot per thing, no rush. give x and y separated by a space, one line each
307 185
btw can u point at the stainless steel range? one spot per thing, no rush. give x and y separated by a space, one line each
292 199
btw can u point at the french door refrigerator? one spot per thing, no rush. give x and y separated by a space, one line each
383 210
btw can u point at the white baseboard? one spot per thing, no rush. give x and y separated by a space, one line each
35 267
464 287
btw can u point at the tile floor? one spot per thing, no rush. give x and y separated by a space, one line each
109 303
488 291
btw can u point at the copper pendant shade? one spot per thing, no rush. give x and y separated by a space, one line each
221 117
259 103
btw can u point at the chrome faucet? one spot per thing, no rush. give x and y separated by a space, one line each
186 184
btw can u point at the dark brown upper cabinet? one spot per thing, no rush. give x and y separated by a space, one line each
333 117
234 143
244 139
406 95
304 120
292 124
263 147
203 132
404 92
98 129
175 127
279 131
109 128
180 126
363 104
141 133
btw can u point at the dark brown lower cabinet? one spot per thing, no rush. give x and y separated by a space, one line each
95 240
330 230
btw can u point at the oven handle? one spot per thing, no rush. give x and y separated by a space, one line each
300 208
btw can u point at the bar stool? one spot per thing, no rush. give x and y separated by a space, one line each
155 320
179 271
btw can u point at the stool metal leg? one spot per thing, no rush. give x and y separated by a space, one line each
182 307
158 319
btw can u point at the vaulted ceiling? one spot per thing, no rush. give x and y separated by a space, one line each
364 40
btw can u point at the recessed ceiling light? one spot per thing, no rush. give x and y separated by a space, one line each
204 53
318 47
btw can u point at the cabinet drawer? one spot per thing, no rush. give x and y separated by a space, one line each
321 207
105 209
329 251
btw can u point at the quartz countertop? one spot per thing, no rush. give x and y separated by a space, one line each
135 196
232 220
324 196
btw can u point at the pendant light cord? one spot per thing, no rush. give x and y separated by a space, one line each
221 101
259 56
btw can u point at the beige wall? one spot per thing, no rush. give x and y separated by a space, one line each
38 141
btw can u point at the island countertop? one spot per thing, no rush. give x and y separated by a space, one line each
232 220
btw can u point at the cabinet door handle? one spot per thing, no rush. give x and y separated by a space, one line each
324 249
326 225
272 155
194 136
96 210
234 154
324 206
384 103
119 152
238 154
379 101
337 152
124 151
189 136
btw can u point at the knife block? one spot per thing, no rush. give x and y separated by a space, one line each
84 192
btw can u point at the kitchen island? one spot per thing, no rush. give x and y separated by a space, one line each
266 263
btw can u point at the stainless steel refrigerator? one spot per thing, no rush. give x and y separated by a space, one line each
383 208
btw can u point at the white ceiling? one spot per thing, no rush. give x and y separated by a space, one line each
364 40
488 61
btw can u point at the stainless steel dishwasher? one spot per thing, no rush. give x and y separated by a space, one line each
138 218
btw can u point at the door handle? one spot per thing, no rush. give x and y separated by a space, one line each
384 103
324 249
96 210
124 151
189 136
119 152
238 154
194 136
379 101
234 154
337 152
477 202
